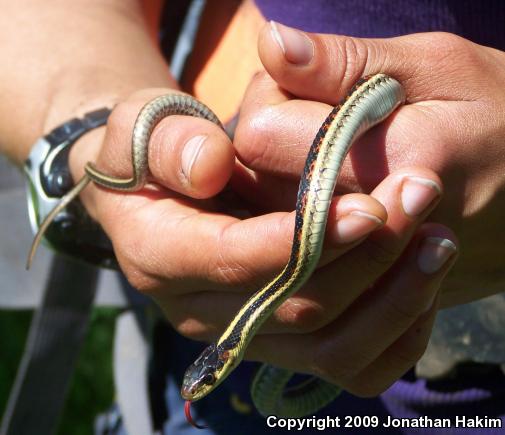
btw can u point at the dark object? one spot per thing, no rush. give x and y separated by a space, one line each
56 334
72 232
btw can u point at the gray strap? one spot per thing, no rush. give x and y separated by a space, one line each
131 358
56 333
186 39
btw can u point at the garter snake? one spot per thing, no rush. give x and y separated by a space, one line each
370 101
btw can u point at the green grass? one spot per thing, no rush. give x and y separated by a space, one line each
91 391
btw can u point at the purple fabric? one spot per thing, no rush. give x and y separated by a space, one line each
480 21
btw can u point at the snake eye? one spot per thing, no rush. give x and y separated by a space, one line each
209 379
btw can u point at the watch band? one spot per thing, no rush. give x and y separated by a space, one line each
54 174
72 232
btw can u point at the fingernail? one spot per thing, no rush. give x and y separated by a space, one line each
417 194
433 253
296 46
190 153
355 225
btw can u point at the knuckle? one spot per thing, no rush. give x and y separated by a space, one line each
450 41
114 155
401 313
193 329
303 316
224 267
134 272
253 137
227 272
350 58
449 46
331 366
183 312
121 115
356 57
134 258
379 256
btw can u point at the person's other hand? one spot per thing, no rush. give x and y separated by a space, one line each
453 123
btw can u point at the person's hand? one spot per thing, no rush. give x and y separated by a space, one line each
201 266
169 237
453 123
365 318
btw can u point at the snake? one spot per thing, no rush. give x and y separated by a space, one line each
370 101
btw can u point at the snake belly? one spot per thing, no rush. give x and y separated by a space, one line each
370 101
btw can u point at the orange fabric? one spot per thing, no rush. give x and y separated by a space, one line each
225 56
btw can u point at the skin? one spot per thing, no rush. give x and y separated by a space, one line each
454 125
170 239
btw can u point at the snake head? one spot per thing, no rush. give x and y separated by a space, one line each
204 374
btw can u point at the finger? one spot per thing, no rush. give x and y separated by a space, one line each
409 347
324 67
396 360
273 133
188 155
343 349
390 308
409 196
335 286
250 253
273 155
231 253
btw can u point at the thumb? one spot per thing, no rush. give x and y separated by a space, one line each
324 67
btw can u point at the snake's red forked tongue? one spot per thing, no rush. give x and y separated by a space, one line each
187 411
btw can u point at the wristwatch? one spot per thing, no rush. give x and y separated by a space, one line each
72 232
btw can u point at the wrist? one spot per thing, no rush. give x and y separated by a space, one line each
79 92
51 70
